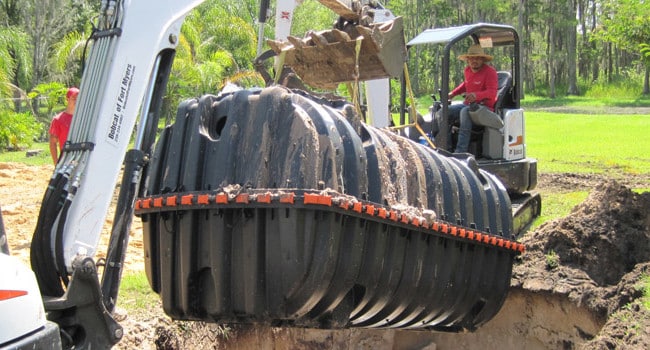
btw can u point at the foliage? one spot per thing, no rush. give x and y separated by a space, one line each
17 129
52 95
621 92
311 15
15 62
552 260
644 49
211 53
625 87
645 280
228 28
66 59
625 22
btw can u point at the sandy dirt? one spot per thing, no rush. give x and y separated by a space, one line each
576 287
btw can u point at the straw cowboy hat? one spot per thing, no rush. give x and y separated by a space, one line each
475 51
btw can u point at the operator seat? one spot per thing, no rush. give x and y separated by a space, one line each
492 139
504 91
487 120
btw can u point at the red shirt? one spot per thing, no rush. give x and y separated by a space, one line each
60 126
483 84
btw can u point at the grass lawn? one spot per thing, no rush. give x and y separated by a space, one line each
20 156
589 143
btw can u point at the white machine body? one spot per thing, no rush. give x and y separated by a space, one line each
21 305
509 142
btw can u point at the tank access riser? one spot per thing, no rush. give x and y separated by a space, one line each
270 206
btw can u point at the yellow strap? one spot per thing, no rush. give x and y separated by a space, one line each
355 87
412 112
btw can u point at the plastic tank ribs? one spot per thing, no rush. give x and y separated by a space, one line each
272 206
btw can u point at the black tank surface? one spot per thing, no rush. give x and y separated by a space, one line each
272 206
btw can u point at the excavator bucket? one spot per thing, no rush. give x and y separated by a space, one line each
356 53
275 207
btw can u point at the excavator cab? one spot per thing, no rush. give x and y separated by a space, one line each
498 140
449 43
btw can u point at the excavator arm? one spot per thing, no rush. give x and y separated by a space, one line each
125 74
122 86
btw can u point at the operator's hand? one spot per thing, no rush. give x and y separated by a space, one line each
471 97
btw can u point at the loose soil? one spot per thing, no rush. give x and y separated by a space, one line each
578 286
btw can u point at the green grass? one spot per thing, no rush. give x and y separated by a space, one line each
584 102
556 205
136 295
645 287
21 157
587 143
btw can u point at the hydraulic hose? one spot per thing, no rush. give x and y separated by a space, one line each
41 256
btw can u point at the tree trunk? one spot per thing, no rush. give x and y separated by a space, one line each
610 63
646 81
551 54
523 32
595 68
45 26
571 50
583 59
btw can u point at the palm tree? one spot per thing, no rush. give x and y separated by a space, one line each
66 60
210 54
15 64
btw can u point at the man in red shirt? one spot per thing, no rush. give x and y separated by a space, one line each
61 125
479 87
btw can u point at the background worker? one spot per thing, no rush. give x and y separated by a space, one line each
61 125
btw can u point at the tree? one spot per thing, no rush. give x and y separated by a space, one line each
625 24
11 12
571 47
65 63
46 22
15 64
645 55
211 53
17 129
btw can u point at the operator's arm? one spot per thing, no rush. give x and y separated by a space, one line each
457 91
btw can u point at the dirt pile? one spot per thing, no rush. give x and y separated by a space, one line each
596 257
